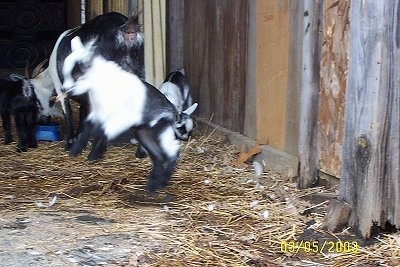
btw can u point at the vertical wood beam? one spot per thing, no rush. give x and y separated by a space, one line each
334 68
311 58
270 65
174 34
73 13
296 16
154 45
370 171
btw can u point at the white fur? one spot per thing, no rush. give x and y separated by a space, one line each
169 143
44 87
117 97
173 94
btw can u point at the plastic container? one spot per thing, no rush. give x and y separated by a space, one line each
48 132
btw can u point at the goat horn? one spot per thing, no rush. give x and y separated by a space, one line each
36 71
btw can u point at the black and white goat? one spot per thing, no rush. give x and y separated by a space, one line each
116 38
120 101
18 98
176 89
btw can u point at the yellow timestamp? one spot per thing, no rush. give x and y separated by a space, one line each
325 246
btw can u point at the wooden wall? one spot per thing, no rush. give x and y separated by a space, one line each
334 65
271 68
370 180
236 54
214 44
358 114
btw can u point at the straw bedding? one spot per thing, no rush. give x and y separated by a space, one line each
212 214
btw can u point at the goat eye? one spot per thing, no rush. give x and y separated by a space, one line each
78 70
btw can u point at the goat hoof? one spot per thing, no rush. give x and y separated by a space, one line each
68 146
152 186
8 140
21 149
33 145
140 154
74 152
93 157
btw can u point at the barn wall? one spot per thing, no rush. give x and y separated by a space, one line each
153 18
73 13
215 40
96 7
334 65
370 169
271 71
236 54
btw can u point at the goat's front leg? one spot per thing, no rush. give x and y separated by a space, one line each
20 124
82 139
31 123
99 144
6 122
68 124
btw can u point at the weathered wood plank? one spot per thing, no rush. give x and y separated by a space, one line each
270 68
174 34
334 65
309 93
370 170
215 45
154 45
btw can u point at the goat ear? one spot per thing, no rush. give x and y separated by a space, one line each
182 70
190 109
76 43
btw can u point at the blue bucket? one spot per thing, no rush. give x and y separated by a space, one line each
48 132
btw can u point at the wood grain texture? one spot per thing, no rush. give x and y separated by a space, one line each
272 48
309 93
370 169
215 58
334 65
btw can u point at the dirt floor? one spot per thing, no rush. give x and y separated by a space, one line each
61 211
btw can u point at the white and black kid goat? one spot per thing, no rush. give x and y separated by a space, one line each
114 36
176 89
120 101
18 98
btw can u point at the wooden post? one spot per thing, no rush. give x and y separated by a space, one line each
174 34
370 171
334 69
311 58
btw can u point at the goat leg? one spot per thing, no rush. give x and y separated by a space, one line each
159 142
68 122
82 139
21 131
6 121
31 123
99 146
140 152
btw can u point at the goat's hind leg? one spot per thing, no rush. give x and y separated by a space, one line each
163 148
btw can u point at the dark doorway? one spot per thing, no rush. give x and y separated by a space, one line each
28 31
